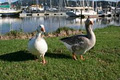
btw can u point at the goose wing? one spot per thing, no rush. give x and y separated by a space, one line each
77 41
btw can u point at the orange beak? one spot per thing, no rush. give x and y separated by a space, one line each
91 22
43 29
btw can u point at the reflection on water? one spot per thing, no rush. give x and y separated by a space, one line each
29 24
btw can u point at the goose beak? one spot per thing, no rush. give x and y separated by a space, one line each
91 23
43 29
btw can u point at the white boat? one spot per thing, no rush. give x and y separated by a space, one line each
81 11
35 8
84 10
9 12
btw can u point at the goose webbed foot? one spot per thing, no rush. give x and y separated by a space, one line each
81 57
43 60
74 56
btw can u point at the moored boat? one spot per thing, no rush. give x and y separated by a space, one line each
9 12
81 11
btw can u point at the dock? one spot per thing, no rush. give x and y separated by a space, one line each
56 14
43 14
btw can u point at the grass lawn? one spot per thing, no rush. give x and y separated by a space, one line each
101 63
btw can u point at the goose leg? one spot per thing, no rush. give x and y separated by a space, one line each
81 57
74 56
43 60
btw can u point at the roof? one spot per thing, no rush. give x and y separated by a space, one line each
4 6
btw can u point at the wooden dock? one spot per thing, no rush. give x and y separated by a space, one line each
43 14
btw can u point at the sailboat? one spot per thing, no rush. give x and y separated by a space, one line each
8 11
82 11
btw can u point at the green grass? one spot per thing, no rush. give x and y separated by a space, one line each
101 63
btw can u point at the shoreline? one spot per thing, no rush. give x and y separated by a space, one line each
22 35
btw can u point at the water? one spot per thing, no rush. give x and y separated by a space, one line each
29 24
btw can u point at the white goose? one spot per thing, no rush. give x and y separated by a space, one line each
37 45
79 44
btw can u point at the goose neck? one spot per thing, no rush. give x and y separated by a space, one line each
90 32
39 34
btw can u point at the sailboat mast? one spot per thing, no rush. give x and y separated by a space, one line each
9 2
76 3
83 5
96 8
67 3
64 3
93 4
37 4
116 3
50 4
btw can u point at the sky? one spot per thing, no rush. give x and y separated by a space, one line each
7 0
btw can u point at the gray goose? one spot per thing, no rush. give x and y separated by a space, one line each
79 44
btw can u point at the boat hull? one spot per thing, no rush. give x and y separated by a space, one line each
71 14
10 14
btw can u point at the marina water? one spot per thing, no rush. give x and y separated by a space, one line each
29 24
